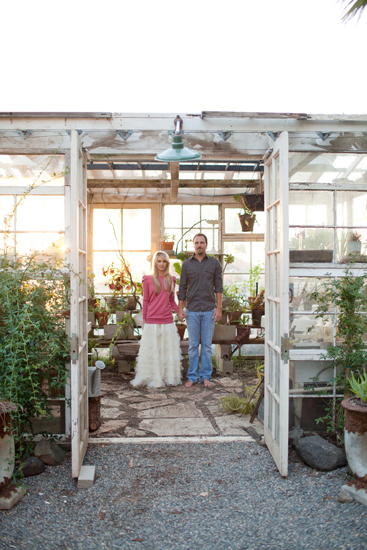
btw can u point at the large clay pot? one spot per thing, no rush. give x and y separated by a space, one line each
355 435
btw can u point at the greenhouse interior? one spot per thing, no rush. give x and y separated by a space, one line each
86 190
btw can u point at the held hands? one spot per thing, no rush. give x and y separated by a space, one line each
181 314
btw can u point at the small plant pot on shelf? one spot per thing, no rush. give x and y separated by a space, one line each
247 222
102 318
354 248
355 435
167 245
244 331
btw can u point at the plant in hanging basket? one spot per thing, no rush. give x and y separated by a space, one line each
246 215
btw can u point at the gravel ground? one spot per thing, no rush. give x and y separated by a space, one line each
217 496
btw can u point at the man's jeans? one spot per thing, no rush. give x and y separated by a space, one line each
200 322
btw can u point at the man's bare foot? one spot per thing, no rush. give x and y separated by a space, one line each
189 383
207 383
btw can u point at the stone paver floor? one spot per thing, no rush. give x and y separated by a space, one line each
172 411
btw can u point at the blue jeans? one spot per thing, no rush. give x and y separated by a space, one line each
200 323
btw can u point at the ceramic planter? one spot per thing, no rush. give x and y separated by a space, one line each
7 447
355 435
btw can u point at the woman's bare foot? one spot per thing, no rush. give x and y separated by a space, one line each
189 383
207 383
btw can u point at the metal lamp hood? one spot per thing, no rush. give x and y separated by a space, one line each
178 153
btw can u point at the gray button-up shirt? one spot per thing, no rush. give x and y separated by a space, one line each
199 281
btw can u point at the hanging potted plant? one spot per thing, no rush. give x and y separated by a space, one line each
167 241
246 215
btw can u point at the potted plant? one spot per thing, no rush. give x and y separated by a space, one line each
246 216
355 427
354 243
181 327
167 241
257 306
119 280
349 353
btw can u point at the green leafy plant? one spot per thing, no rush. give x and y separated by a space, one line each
359 386
34 347
232 404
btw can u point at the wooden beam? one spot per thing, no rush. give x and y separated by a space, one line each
174 169
166 184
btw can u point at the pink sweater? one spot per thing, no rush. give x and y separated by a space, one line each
157 310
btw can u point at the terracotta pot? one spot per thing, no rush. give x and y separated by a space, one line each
167 245
355 435
102 318
181 330
247 222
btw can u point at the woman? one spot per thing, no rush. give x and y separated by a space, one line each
159 360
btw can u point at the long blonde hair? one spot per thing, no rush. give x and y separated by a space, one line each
168 280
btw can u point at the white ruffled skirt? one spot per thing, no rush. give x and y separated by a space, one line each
159 359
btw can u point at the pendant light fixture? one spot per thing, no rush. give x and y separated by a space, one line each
177 153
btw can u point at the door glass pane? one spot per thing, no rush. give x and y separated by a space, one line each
40 213
327 168
136 229
106 228
26 170
309 238
277 180
351 208
311 208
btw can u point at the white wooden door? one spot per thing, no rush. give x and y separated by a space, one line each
277 303
78 303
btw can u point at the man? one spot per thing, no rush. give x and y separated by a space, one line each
200 279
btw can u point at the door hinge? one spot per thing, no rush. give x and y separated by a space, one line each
284 348
74 348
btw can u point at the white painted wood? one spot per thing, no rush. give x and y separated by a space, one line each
21 190
170 439
277 298
78 304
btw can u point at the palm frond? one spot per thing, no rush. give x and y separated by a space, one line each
353 8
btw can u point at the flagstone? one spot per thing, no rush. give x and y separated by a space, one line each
129 400
230 382
151 405
233 424
178 426
133 432
187 395
109 402
129 393
110 412
182 410
111 426
157 396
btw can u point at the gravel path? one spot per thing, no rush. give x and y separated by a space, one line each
217 496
